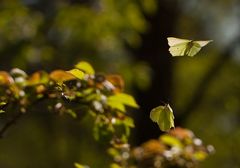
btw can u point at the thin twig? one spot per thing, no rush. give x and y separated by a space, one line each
11 122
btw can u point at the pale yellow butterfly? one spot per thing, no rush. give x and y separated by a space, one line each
185 47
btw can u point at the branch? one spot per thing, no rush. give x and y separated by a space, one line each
11 122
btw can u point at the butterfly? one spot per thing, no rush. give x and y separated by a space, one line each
185 47
163 116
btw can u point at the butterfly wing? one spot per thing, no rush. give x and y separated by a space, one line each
202 43
196 47
172 41
185 47
179 49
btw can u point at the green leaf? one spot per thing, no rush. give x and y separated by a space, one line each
77 73
114 165
200 155
163 116
71 113
119 101
116 105
171 141
77 165
2 103
129 122
86 67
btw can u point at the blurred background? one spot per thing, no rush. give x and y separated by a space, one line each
126 37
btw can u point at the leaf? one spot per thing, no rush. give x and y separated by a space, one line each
129 122
77 73
77 165
163 116
5 78
116 104
61 76
200 155
118 101
2 103
117 82
124 99
36 78
171 141
114 165
86 67
185 47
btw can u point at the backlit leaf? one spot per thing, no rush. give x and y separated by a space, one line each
2 103
77 165
5 78
36 78
119 101
171 141
114 165
86 67
61 76
77 73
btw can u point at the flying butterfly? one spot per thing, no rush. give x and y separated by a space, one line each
185 47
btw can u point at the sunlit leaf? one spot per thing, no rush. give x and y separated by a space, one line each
61 76
200 155
77 165
124 99
2 103
181 133
86 67
129 122
5 78
116 105
117 82
120 100
36 78
114 165
171 141
163 116
77 73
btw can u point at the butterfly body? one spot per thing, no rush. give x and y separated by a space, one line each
184 47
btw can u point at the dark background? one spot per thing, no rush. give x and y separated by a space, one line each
126 37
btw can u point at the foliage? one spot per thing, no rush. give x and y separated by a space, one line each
76 92
178 148
81 91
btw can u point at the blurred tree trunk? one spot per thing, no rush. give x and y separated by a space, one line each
154 51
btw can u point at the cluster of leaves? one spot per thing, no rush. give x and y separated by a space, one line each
77 92
179 148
